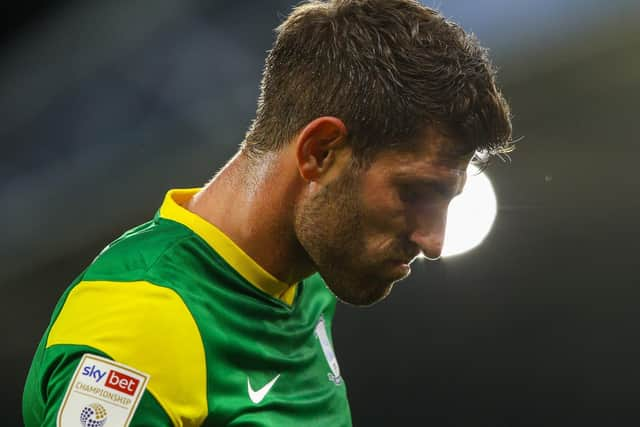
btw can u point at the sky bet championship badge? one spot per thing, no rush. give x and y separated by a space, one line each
102 393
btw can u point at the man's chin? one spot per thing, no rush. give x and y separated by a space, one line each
364 295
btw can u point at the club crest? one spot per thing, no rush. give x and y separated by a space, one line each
327 349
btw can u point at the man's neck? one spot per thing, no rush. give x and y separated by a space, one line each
252 202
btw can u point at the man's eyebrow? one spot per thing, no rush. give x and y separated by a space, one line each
447 188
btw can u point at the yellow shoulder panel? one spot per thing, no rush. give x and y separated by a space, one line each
147 327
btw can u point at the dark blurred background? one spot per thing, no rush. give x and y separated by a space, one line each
105 105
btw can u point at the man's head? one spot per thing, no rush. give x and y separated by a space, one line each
384 103
362 227
388 69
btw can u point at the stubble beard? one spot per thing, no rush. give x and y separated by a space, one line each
329 227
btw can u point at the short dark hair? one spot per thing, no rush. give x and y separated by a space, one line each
388 69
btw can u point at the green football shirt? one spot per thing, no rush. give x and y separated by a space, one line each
174 325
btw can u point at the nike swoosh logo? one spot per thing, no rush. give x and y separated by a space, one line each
257 396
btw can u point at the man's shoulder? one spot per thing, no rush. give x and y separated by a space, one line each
137 251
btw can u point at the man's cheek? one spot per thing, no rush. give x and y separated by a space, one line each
377 246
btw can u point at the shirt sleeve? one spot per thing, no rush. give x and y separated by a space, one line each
44 394
141 325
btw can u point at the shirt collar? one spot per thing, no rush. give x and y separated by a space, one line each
173 209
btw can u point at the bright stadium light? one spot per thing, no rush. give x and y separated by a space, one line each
471 214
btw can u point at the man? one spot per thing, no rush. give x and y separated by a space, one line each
216 311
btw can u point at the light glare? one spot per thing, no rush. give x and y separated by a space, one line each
471 214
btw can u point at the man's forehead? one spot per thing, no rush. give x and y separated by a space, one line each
453 169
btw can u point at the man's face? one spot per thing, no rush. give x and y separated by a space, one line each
364 228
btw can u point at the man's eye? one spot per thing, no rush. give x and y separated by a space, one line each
422 194
411 194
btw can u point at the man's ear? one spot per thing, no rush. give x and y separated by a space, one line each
316 145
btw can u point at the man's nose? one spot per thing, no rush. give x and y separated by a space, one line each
429 233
